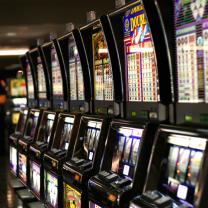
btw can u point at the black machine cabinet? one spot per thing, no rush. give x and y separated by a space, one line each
61 148
72 52
39 68
177 170
54 65
86 159
140 41
30 134
38 148
13 140
124 165
105 69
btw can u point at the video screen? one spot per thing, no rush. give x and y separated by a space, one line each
51 189
17 88
141 66
125 152
41 79
72 198
90 141
30 84
47 130
103 77
192 51
13 159
66 133
93 205
23 167
22 121
75 74
35 177
181 171
57 82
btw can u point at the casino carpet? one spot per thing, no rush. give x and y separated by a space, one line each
8 198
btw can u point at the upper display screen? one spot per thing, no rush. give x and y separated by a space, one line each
103 78
141 66
41 79
30 84
126 150
184 158
75 74
57 82
191 19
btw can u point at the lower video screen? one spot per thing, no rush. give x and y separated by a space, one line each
13 159
93 205
35 177
72 198
51 189
23 167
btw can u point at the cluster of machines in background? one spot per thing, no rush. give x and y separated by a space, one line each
117 112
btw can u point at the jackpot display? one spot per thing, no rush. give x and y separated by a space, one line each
31 93
75 74
13 159
23 167
57 83
90 141
102 72
51 189
35 177
126 151
191 21
41 79
184 159
72 198
141 67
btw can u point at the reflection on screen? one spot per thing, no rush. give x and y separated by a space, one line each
183 166
13 159
66 133
72 198
141 65
126 150
93 205
90 141
35 177
192 53
51 189
103 78
22 120
41 79
75 74
57 83
23 167
29 81
48 129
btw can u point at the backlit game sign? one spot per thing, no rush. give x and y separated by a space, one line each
103 78
35 177
23 167
93 205
29 81
72 198
13 159
191 21
141 66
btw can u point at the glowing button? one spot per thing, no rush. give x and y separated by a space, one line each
182 192
112 197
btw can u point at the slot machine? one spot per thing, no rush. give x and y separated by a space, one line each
181 179
128 147
106 102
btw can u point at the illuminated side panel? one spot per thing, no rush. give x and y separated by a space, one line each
13 159
75 74
191 42
23 167
29 81
141 66
103 78
41 79
57 82
126 151
35 177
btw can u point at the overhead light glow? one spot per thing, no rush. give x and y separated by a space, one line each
13 51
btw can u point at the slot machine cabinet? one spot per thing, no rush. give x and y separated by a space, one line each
73 55
43 78
61 148
124 165
57 76
179 182
106 74
85 161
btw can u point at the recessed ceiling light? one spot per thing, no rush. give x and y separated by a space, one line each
11 34
13 51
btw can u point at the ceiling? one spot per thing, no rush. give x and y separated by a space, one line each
22 22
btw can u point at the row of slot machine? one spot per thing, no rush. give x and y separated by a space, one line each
113 119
